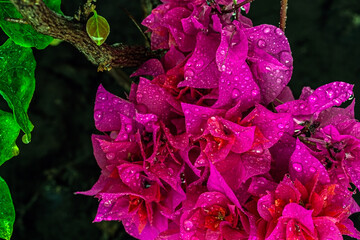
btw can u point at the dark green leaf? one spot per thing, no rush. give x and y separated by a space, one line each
23 34
97 28
9 131
17 82
7 212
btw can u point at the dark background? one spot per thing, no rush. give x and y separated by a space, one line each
324 36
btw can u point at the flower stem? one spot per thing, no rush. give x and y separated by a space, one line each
237 6
283 10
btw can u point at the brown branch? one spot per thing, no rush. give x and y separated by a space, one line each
283 17
47 22
237 6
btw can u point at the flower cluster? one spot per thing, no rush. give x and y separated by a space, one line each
211 143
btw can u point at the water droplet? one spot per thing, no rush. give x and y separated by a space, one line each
330 93
254 92
116 100
286 58
235 93
223 67
98 115
101 97
128 128
279 81
261 43
313 99
124 137
312 169
188 73
188 225
110 156
280 125
297 167
267 30
199 64
107 203
341 176
26 138
279 32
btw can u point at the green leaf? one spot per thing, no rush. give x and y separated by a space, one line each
97 28
7 211
17 82
9 131
23 34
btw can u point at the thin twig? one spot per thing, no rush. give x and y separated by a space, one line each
121 78
237 6
137 26
283 11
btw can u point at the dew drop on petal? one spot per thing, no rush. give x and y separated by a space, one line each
313 99
261 43
107 203
101 97
279 32
124 137
330 93
188 225
235 93
312 169
98 115
286 58
188 73
199 64
254 92
297 167
110 156
267 30
128 128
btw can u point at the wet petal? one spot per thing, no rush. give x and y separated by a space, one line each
303 166
108 108
201 70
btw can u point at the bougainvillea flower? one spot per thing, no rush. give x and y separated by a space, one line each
339 155
216 214
166 28
176 23
270 60
299 208
214 217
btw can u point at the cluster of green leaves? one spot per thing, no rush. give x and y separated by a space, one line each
17 85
